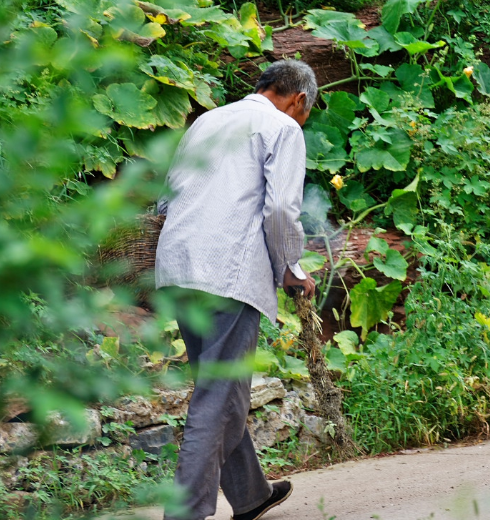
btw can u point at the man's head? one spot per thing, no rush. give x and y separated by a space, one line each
291 86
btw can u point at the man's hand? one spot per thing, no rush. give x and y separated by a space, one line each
291 282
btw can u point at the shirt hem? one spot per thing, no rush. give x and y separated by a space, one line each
224 294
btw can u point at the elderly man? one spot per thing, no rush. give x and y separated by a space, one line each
232 230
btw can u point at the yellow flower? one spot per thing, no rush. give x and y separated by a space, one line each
468 71
338 182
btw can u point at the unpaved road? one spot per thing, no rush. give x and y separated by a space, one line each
450 484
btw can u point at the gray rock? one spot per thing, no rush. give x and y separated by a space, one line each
9 469
318 428
64 434
265 390
268 426
143 411
151 440
305 393
17 436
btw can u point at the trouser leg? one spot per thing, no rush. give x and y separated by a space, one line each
242 480
215 434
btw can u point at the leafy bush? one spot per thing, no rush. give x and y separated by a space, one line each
431 383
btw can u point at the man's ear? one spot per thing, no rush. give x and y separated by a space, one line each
301 99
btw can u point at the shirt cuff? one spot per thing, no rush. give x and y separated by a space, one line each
295 269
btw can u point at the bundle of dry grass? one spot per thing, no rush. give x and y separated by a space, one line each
328 396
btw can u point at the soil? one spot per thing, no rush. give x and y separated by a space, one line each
449 484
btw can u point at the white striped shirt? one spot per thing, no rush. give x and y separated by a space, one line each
232 222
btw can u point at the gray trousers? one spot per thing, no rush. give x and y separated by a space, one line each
217 448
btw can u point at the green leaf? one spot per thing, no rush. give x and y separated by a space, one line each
229 34
284 315
339 113
414 46
403 205
347 341
324 148
413 80
394 266
202 15
370 304
265 360
249 21
380 245
294 368
460 86
336 360
375 98
354 196
476 185
152 30
482 319
110 346
127 105
347 34
321 17
173 107
393 10
385 40
393 157
482 77
169 72
179 347
380 70
312 261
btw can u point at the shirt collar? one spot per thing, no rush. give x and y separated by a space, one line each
260 99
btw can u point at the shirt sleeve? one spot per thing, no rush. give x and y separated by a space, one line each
284 172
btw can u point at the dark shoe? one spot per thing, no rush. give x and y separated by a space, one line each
280 491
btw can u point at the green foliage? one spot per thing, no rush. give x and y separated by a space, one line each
64 482
430 383
278 352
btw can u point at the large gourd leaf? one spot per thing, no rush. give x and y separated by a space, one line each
393 10
321 18
348 34
202 93
169 72
412 79
393 266
202 15
228 34
385 40
127 105
347 341
312 261
250 23
160 15
371 304
393 157
340 112
482 77
375 98
380 245
414 46
460 86
173 107
403 204
324 148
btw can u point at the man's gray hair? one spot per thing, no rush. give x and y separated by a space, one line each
286 77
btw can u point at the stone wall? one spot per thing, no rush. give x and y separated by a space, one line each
277 413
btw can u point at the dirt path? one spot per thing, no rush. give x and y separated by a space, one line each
451 484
